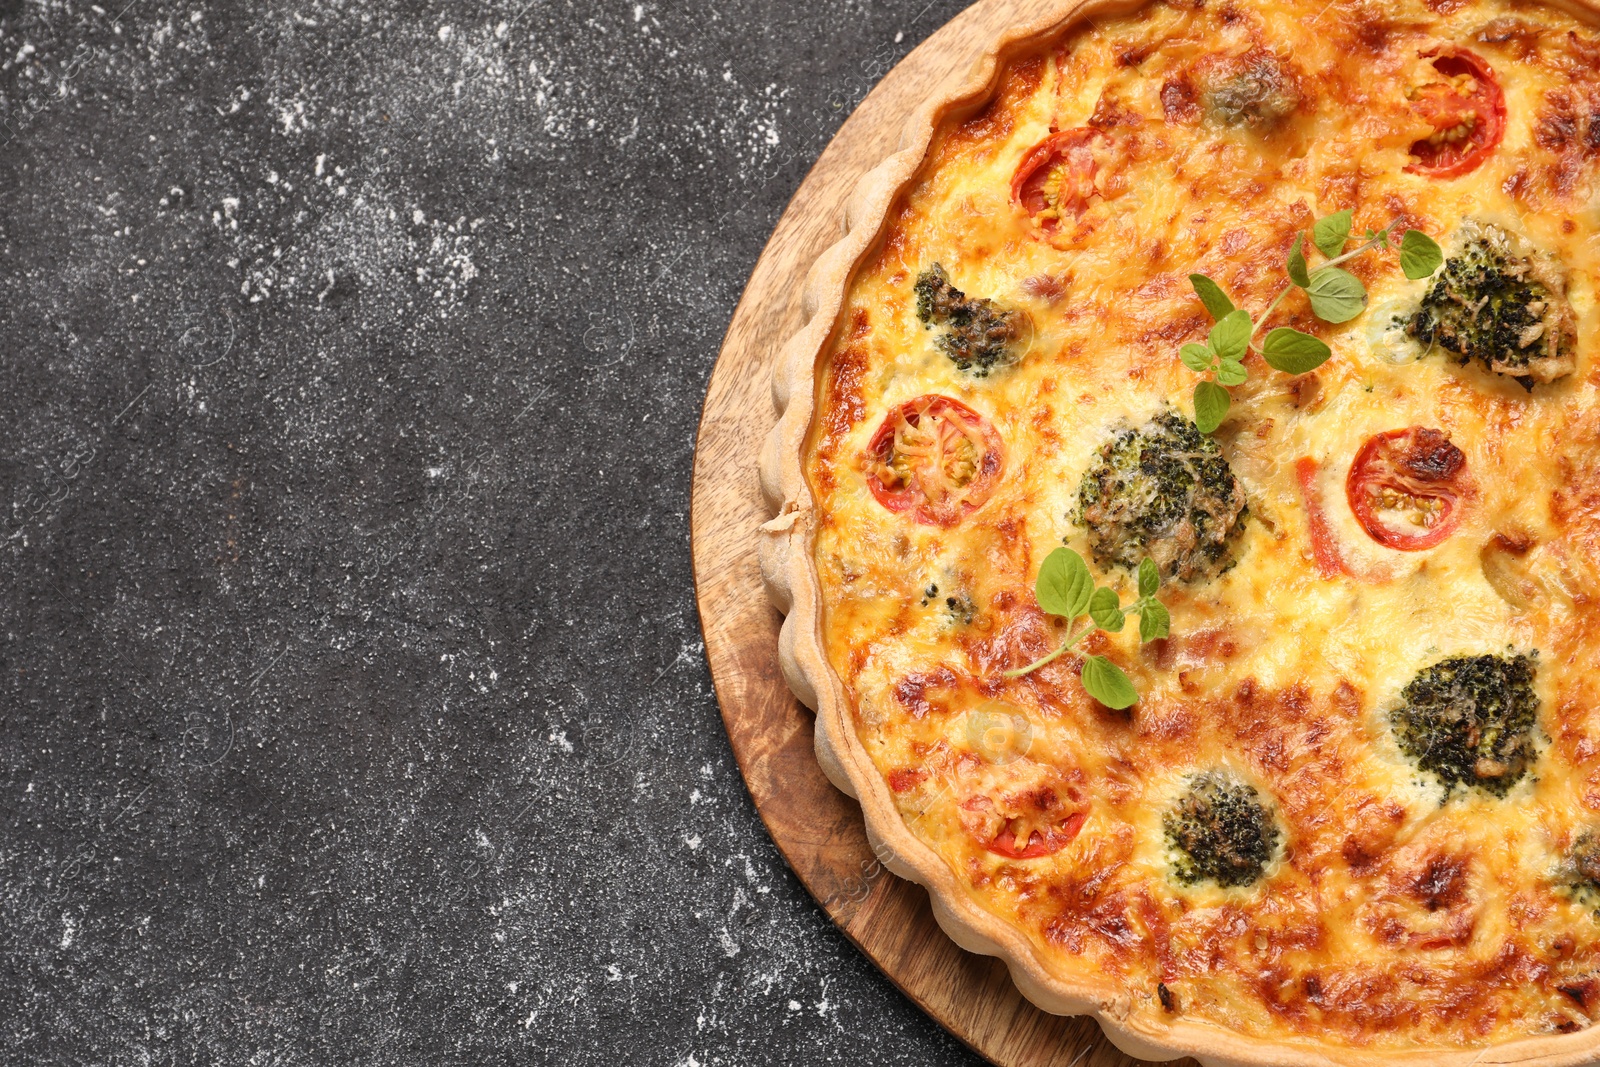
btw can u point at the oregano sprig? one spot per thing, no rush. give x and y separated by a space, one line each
1335 296
1065 588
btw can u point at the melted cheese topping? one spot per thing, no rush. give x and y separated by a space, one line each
1394 913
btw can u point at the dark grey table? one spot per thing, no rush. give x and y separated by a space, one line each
353 706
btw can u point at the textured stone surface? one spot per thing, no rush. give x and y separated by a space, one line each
353 708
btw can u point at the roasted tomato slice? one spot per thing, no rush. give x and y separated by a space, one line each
935 457
1406 487
1324 547
1464 104
1023 827
1062 176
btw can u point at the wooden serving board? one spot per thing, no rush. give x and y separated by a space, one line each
817 828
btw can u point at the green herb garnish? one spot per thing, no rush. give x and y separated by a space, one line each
1065 588
1335 295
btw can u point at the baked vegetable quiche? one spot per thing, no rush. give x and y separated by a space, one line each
1192 525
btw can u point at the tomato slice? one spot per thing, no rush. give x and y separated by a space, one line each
1060 176
1467 110
1406 487
934 457
1026 836
1324 549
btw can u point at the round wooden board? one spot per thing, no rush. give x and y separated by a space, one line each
817 828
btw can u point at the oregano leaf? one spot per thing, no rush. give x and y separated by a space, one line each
1336 295
1155 621
1297 264
1064 584
1293 352
1210 406
1420 255
1105 681
1231 372
1149 577
1105 608
1197 358
1212 296
1230 337
1331 232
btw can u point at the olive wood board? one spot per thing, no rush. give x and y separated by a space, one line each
817 828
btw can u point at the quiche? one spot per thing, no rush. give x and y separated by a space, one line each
1188 522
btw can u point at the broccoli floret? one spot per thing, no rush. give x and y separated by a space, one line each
977 334
1165 491
1469 720
1579 871
1220 831
1506 310
1255 91
959 609
1586 859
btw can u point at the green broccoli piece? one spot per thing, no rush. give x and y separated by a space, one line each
1469 720
1579 872
1162 490
1220 831
1256 91
1505 310
959 609
977 335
